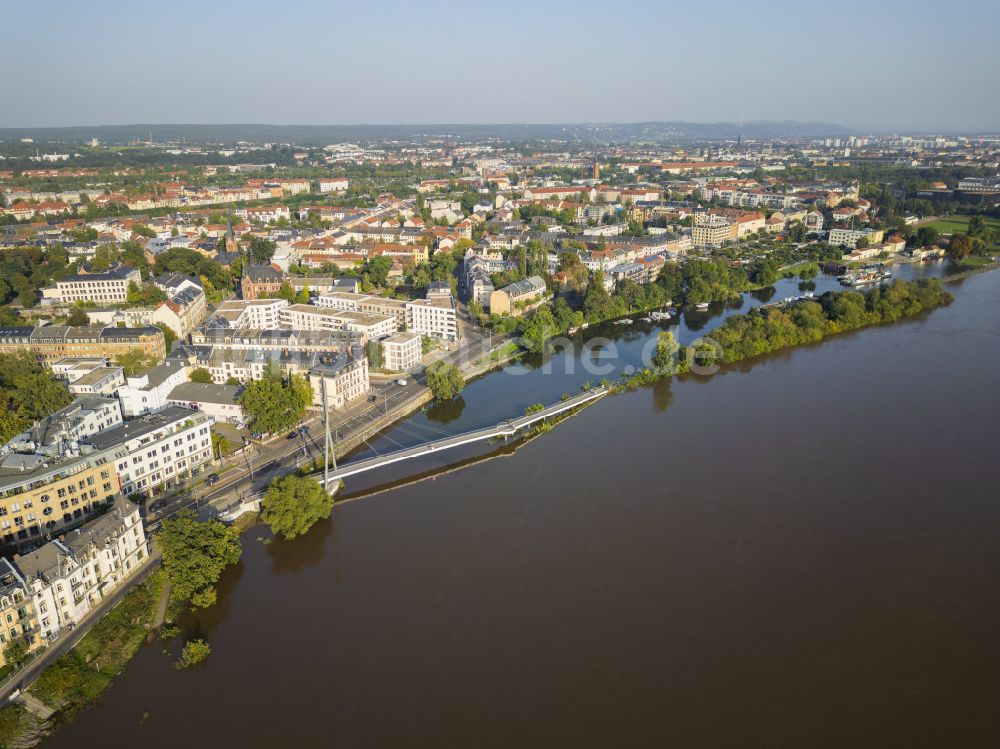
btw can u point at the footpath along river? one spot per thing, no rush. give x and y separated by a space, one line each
800 552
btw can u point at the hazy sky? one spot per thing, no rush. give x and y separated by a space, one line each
873 64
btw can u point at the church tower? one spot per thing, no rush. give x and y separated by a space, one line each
231 244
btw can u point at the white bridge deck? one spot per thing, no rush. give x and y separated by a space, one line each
503 429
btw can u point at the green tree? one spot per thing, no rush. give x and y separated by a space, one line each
262 250
77 317
667 353
220 446
293 504
376 270
927 236
597 305
28 392
193 653
537 328
421 278
960 246
200 374
169 336
274 403
147 295
105 256
286 292
445 380
443 265
134 362
373 349
766 273
808 272
195 553
15 652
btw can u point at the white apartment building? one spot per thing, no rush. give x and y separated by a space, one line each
55 435
147 393
333 184
311 317
101 288
377 305
265 214
435 318
69 576
257 314
218 401
99 381
401 352
158 449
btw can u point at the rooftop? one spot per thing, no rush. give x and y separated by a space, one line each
204 392
119 273
142 426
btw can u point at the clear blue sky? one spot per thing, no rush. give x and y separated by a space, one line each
873 64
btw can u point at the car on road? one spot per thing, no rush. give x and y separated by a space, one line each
212 479
292 434
401 382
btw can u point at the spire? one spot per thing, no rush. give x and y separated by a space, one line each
231 244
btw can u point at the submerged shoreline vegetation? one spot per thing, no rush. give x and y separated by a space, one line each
79 678
195 553
764 331
760 332
194 557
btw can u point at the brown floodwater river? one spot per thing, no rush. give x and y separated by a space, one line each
803 552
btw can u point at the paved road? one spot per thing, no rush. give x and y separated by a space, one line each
286 452
69 639
254 471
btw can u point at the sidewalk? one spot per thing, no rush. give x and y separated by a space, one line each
21 680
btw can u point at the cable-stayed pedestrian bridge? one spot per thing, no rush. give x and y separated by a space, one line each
503 429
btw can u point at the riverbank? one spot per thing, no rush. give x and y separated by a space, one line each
15 718
973 267
78 679
639 532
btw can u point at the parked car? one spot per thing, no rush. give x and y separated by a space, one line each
212 478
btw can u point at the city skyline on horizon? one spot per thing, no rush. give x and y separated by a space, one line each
889 70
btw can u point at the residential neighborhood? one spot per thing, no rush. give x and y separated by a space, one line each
204 320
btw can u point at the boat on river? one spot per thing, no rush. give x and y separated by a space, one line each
701 306
866 276
657 315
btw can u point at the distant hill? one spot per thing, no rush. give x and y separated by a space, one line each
324 134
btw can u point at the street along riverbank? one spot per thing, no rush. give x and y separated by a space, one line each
657 388
757 542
